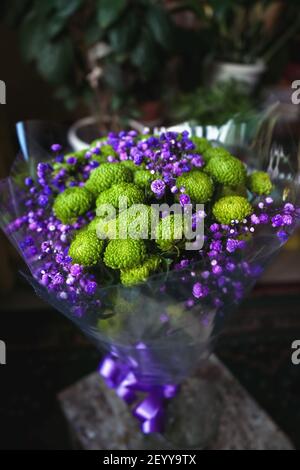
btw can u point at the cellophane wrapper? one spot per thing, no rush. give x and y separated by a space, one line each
151 327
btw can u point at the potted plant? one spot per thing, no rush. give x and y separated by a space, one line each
209 112
245 35
213 106
110 55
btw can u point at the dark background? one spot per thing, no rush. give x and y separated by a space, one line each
46 353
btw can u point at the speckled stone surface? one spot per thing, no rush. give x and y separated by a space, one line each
230 419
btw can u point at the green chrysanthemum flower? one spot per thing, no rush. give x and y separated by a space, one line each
212 152
96 142
108 229
99 158
106 175
240 190
143 178
231 208
60 166
201 143
134 275
140 273
226 170
79 155
260 183
130 165
130 191
72 203
106 150
124 254
198 186
86 249
169 231
153 263
93 225
71 168
135 222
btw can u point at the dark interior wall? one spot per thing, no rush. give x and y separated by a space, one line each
28 96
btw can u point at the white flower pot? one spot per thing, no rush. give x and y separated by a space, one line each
249 74
84 131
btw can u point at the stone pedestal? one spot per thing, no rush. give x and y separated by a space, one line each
98 419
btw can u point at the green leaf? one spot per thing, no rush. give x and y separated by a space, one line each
145 55
113 76
116 102
123 37
108 11
56 25
55 61
63 92
33 35
66 8
221 8
13 11
193 5
160 26
93 33
42 9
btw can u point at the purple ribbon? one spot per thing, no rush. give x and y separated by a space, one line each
150 409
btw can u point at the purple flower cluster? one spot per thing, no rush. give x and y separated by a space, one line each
225 257
44 240
46 252
158 187
169 155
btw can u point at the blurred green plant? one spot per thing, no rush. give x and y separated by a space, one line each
135 37
213 106
114 54
243 31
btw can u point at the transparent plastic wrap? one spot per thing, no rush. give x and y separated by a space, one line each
161 329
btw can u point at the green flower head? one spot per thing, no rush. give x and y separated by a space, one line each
260 183
106 175
124 254
231 208
72 203
86 248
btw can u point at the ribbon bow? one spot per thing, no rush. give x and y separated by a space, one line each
122 378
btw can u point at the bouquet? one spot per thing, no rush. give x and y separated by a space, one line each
148 241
